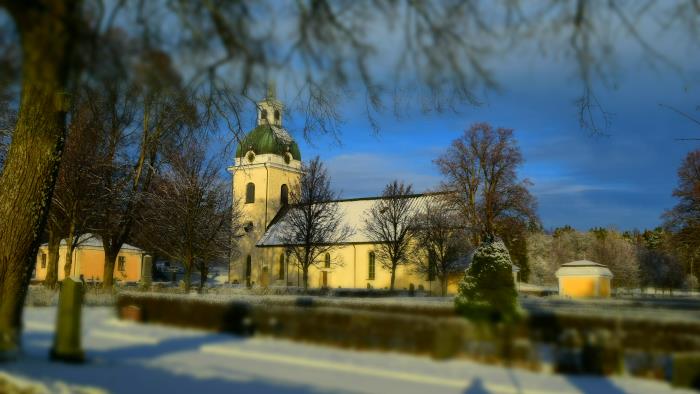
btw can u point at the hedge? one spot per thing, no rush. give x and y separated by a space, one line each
582 343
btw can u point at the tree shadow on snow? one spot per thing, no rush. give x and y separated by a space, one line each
477 387
594 384
136 369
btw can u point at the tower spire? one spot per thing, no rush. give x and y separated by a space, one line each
269 108
271 90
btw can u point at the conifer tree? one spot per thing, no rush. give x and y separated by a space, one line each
487 291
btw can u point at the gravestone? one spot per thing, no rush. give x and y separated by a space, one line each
146 271
66 342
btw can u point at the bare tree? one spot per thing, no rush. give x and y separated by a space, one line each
683 221
445 48
542 265
313 226
75 195
659 259
685 216
441 244
390 224
72 197
612 249
152 113
188 215
480 169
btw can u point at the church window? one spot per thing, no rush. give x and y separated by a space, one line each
43 260
121 263
371 267
263 115
327 262
284 195
281 272
250 193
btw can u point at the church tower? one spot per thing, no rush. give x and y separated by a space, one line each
267 164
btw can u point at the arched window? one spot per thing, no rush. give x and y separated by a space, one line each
327 262
371 267
263 115
250 193
248 270
284 195
280 276
277 115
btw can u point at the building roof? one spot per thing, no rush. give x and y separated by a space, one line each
94 241
268 138
582 263
583 268
353 212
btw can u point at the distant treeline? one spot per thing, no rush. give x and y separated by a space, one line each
651 258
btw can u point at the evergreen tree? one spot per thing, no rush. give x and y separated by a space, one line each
487 291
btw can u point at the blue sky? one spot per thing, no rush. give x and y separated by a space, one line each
624 179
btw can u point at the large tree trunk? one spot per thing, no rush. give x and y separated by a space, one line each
108 273
52 264
69 250
305 277
188 275
47 31
393 277
203 272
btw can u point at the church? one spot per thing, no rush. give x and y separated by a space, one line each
267 164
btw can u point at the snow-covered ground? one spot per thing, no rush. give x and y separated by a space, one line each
126 357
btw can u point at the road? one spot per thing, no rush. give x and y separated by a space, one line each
125 357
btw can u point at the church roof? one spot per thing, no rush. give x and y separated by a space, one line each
353 212
268 139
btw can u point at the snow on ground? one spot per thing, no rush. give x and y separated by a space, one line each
126 357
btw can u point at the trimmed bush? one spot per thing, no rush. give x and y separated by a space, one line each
487 291
601 353
568 352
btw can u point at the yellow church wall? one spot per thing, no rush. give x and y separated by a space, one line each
268 173
349 269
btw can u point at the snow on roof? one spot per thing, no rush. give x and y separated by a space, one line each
94 241
582 263
583 268
282 134
353 212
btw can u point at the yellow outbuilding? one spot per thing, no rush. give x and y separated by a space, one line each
88 261
584 278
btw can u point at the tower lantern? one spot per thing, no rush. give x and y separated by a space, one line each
270 109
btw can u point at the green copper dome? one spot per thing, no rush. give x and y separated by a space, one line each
268 139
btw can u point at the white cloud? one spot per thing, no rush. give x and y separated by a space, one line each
564 186
366 174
